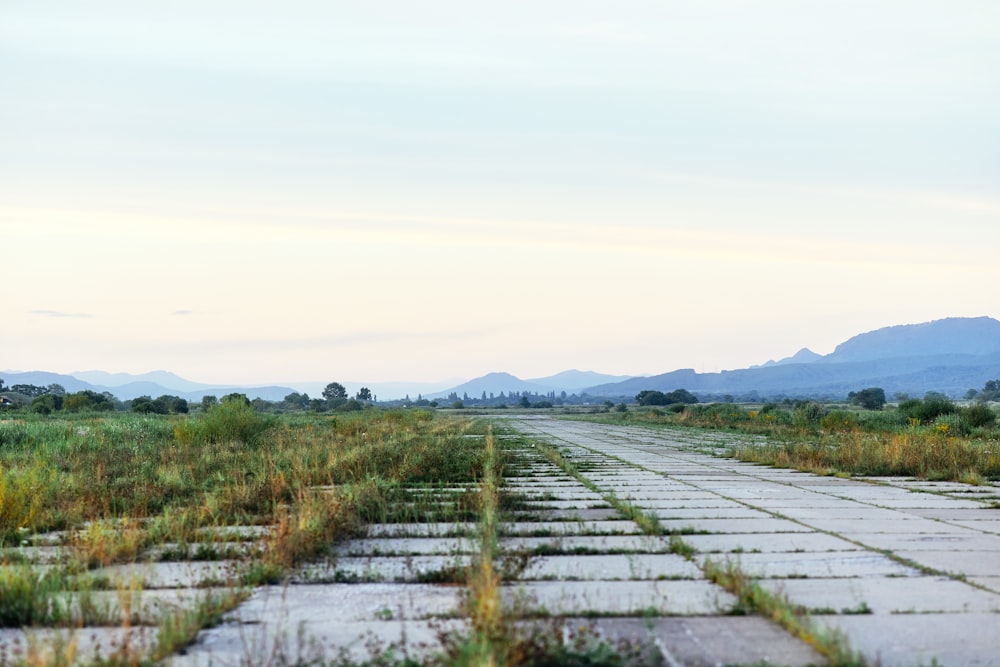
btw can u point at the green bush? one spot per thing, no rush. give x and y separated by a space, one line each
927 410
978 415
228 421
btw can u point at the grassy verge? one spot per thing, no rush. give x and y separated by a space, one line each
827 440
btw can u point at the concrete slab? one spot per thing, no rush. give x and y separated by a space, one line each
588 544
969 563
958 514
886 595
565 598
711 513
921 639
914 526
768 542
567 504
384 569
693 501
569 528
349 602
421 529
83 646
543 514
175 574
314 641
966 541
611 567
406 546
733 526
142 607
824 564
712 641
988 526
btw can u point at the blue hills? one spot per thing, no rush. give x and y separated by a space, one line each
950 355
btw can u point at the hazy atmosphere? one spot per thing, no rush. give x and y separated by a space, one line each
247 192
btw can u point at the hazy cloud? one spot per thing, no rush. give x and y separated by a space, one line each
182 313
59 313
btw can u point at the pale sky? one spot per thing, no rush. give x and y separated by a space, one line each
257 192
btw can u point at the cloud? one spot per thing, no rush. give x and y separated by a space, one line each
182 313
59 313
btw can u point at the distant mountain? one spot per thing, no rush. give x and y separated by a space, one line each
160 378
974 336
951 356
571 382
44 379
134 389
803 356
494 383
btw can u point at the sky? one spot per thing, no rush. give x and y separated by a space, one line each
260 192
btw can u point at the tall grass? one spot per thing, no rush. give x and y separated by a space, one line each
934 456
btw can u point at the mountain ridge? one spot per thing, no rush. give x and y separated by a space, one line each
950 355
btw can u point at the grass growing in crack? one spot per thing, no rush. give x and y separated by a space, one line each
752 598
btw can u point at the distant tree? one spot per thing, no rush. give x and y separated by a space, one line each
524 402
651 397
335 392
88 400
990 392
46 403
148 405
236 396
208 401
364 394
458 405
57 389
1 384
297 401
872 398
681 396
175 404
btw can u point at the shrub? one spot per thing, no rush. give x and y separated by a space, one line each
978 415
228 421
927 410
